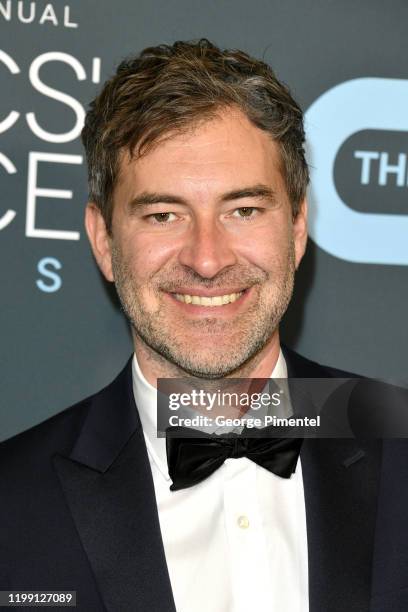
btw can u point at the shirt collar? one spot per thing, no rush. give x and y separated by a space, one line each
145 397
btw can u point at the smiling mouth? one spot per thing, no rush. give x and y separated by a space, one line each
201 300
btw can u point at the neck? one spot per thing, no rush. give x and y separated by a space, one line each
154 366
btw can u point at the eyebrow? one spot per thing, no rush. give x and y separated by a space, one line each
255 191
147 198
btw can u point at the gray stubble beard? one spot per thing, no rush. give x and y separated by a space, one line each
150 328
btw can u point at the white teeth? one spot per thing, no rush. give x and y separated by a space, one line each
218 300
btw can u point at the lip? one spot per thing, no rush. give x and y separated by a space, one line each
200 292
208 311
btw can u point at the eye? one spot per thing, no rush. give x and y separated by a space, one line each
161 218
246 212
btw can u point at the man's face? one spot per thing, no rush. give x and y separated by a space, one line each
204 249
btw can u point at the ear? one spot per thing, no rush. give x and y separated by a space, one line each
300 232
99 238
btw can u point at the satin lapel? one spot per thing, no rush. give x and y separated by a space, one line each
108 485
341 490
341 481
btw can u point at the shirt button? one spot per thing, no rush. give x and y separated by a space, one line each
243 522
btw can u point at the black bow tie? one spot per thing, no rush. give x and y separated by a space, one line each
192 459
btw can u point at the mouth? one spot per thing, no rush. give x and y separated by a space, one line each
209 301
201 302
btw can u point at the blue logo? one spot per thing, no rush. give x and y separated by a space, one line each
354 106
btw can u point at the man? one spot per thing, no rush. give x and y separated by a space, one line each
197 213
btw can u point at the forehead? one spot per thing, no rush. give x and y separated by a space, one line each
226 151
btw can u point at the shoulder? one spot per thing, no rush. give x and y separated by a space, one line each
301 367
28 450
29 485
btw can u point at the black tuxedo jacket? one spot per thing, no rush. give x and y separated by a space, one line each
78 511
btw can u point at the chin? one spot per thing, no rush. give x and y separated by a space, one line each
207 371
209 365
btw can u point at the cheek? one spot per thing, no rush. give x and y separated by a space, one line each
266 247
146 253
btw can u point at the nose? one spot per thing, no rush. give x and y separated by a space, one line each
207 249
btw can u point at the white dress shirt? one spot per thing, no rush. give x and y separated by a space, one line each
235 542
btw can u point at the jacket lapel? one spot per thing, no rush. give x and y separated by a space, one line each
341 488
341 480
108 485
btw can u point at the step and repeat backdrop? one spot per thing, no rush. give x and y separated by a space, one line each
62 333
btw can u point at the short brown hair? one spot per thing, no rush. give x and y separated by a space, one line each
168 88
